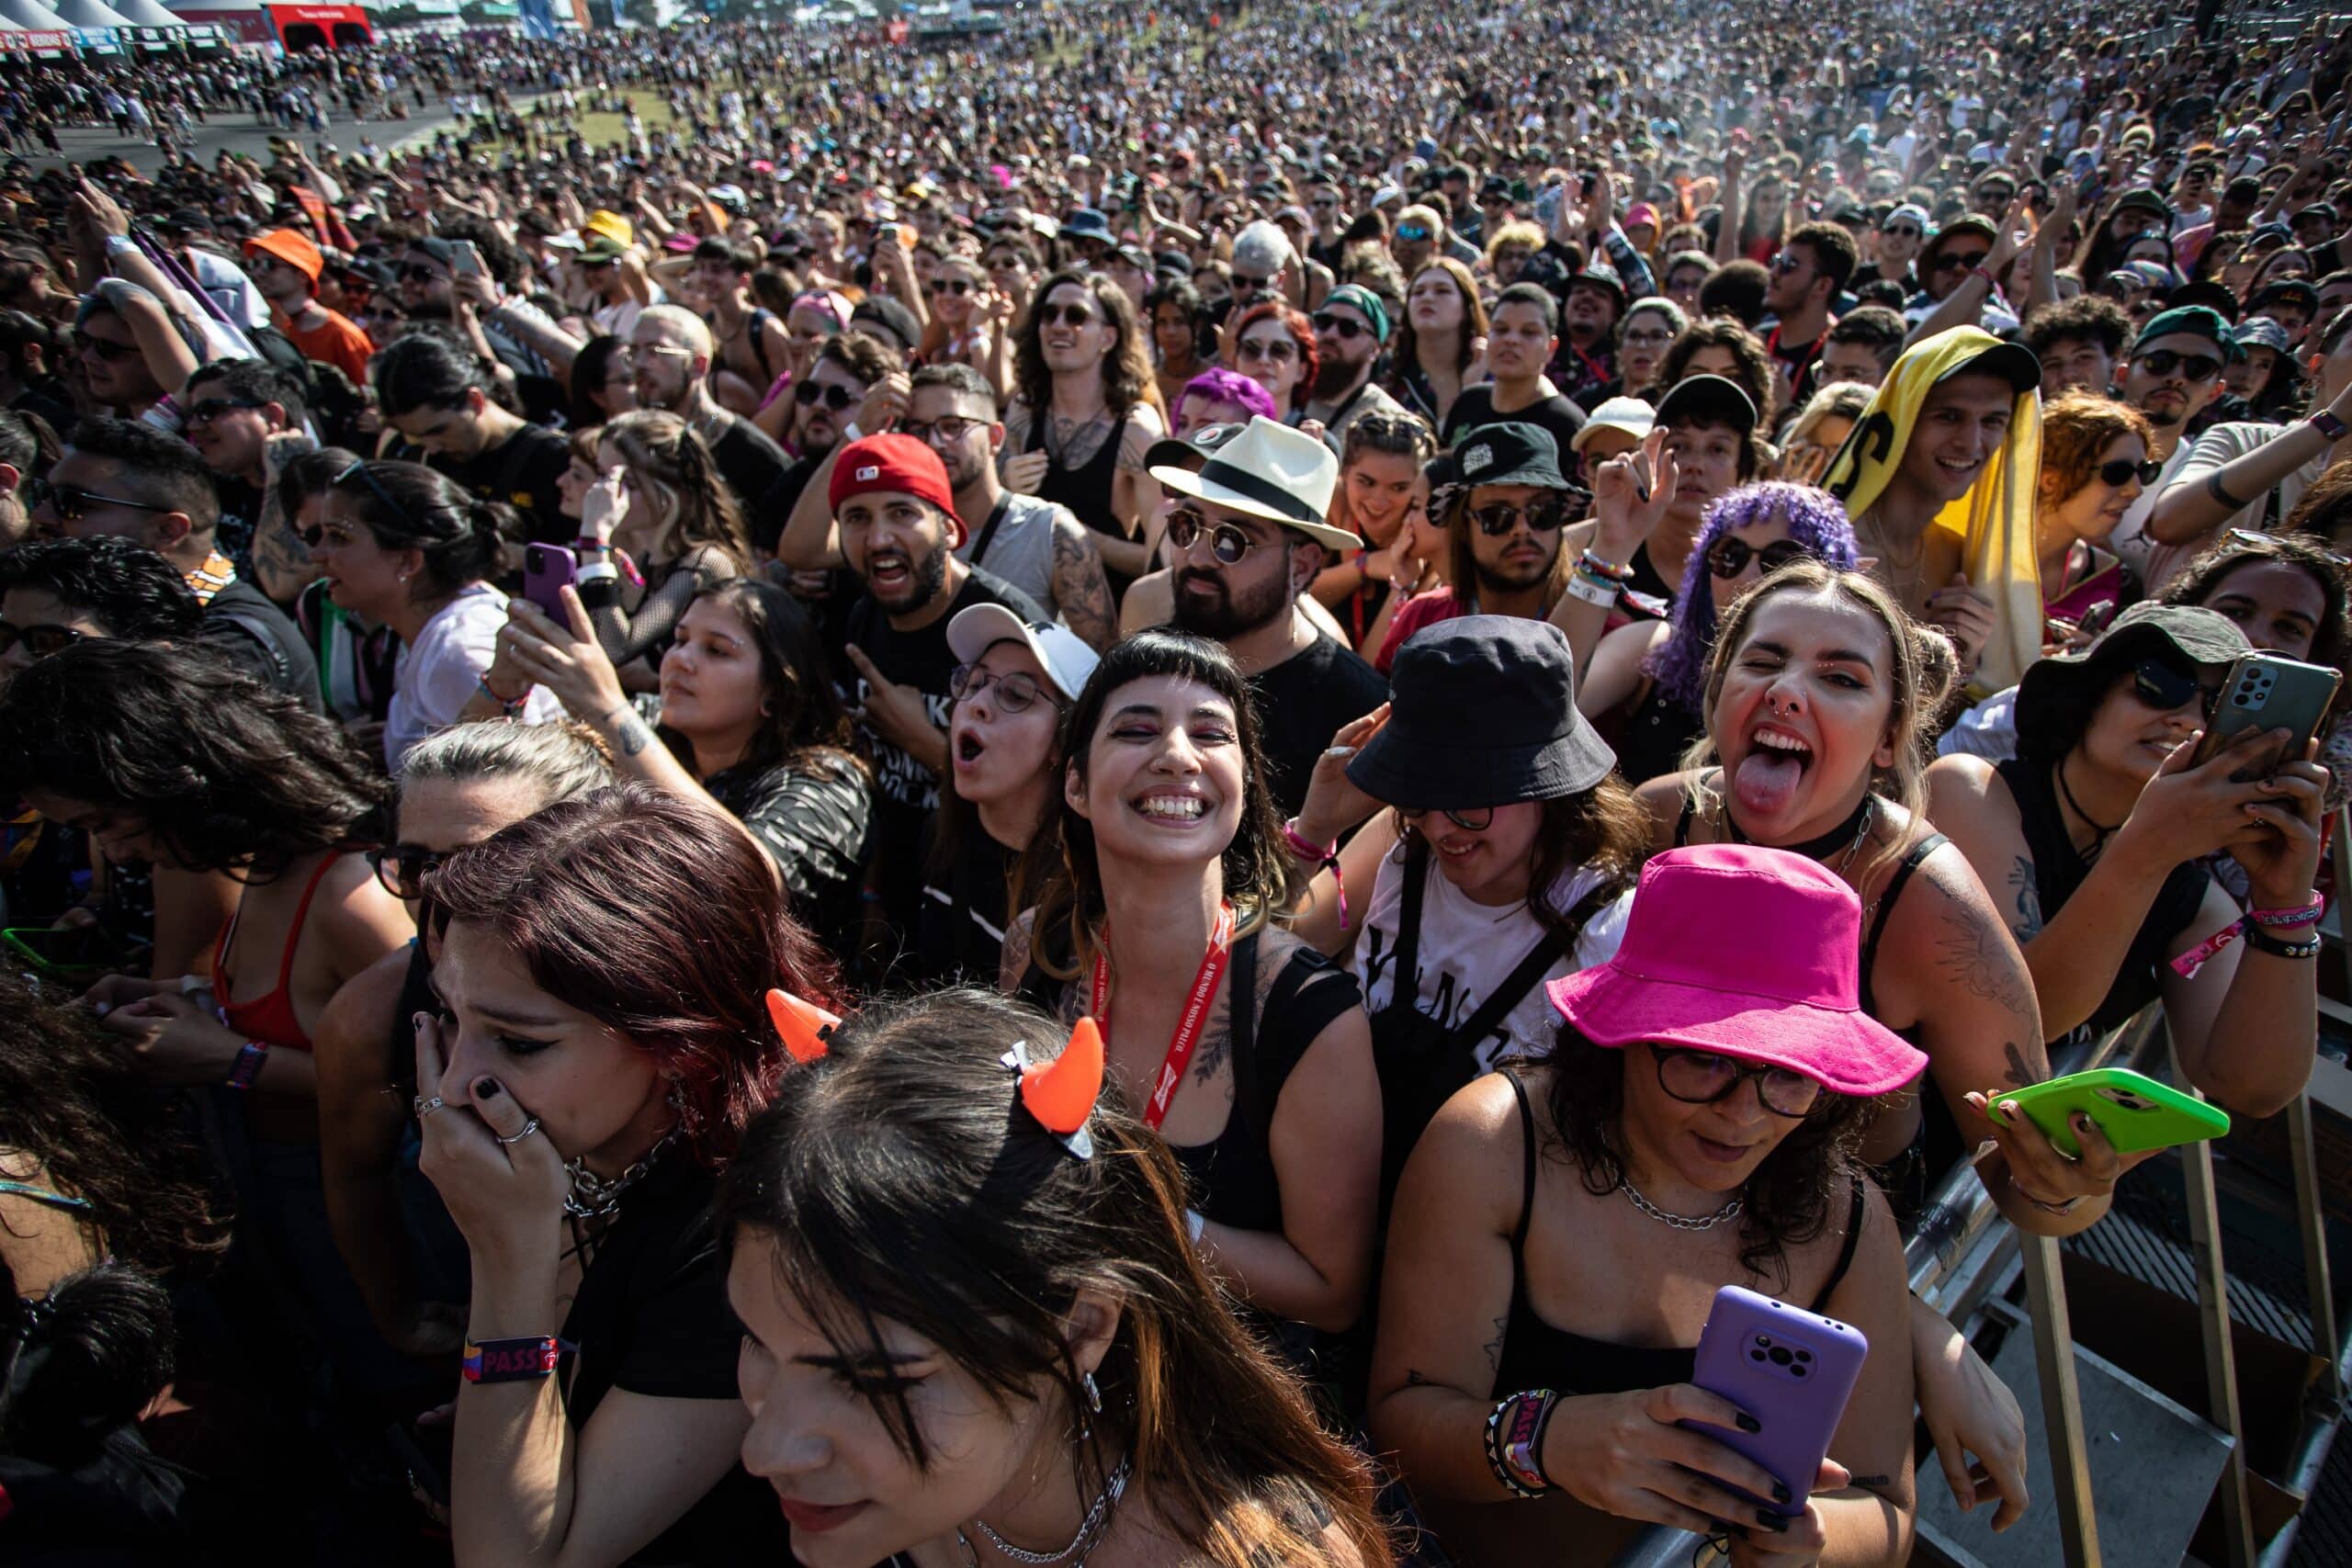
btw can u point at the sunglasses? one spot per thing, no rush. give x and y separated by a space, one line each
211 409
2123 471
956 285
1472 819
1227 543
1015 692
85 344
2247 538
1277 350
946 430
417 272
807 393
1787 261
41 641
1499 518
1412 232
2167 688
1703 1077
1950 262
72 503
1728 556
2192 366
401 868
1064 315
358 470
1901 231
1346 328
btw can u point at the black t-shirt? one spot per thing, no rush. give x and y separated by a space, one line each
959 930
1302 702
776 501
751 463
652 1317
905 791
522 474
1556 416
259 637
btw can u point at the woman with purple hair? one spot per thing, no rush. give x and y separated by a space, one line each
1648 674
1218 395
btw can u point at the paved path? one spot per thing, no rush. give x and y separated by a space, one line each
234 130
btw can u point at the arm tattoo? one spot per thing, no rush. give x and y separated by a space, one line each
1969 957
2020 1072
630 734
1495 1346
1082 592
2028 922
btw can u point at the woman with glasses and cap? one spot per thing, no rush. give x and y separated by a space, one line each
1498 838
2098 826
2095 463
1565 1223
993 846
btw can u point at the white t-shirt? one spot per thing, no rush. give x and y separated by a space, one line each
1466 950
2193 462
435 677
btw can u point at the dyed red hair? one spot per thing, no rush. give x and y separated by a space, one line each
1302 331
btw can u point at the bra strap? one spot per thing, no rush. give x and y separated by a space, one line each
1854 1214
1527 1167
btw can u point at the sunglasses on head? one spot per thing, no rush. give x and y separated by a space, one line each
1470 819
1728 556
1066 315
72 503
2192 366
1346 328
835 398
1015 692
401 868
1227 542
41 640
2238 539
1950 262
1543 515
2166 688
2123 471
1703 1077
358 470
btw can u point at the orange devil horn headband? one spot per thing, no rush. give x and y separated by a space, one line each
804 1027
1060 1094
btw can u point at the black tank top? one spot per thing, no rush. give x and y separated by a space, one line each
1536 1355
1656 732
1087 489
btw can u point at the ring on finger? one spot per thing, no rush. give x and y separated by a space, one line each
426 1107
528 1128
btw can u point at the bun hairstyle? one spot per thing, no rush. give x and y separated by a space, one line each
80 1361
407 506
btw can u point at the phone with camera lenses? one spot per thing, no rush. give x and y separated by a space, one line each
2132 1111
547 569
2266 692
1792 1371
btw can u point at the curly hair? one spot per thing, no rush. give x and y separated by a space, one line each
1302 335
670 458
1127 377
125 587
228 774
73 1104
1815 520
2076 428
1790 1198
1751 367
2202 579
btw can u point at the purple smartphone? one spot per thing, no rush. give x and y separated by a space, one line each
1791 1369
546 571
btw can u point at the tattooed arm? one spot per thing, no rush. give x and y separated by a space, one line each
282 564
1082 592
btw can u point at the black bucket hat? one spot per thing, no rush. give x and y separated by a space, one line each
1483 713
2054 687
1510 453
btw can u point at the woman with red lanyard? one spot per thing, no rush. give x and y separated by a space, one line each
1245 1048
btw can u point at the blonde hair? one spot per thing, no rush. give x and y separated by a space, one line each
670 458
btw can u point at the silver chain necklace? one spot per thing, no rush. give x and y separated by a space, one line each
1679 1222
1089 1529
594 1198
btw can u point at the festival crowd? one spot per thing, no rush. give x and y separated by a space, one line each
1132 792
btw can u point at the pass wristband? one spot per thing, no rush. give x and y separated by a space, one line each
2189 963
251 1058
2309 914
514 1361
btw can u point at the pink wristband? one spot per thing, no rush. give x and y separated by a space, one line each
1321 854
2302 917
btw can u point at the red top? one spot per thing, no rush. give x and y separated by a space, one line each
1420 610
269 1019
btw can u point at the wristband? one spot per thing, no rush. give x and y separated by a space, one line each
1980 272
2302 917
247 1066
595 571
1513 1429
585 543
2261 940
510 707
2328 424
514 1361
1580 586
1591 562
1324 855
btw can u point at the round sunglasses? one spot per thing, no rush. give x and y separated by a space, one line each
1728 556
401 868
1227 543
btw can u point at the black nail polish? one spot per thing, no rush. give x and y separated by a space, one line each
485 1089
1749 1423
1780 1493
1771 1521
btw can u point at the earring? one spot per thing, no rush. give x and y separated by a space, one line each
1093 1393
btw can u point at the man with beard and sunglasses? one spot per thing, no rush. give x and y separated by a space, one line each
852 375
1245 536
895 512
1350 329
2174 371
1504 522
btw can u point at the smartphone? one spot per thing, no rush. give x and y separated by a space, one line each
469 260
426 1452
2266 692
547 569
1790 1369
66 951
2133 1112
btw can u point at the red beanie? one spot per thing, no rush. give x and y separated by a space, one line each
899 463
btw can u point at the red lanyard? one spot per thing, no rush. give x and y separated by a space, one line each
1188 1026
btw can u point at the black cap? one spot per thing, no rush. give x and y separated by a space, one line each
887 313
1707 399
2013 362
1191 451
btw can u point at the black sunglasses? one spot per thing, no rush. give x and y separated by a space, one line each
41 641
2167 688
835 398
2192 366
1703 1077
85 342
359 470
1066 315
1471 820
2123 471
1950 262
1015 692
417 272
957 286
72 503
1543 516
1227 543
211 409
1347 328
401 868
1728 556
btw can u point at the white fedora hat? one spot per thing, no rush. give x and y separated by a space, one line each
1271 471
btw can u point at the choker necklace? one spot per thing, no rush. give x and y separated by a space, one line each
1089 1529
594 1198
1850 833
2100 830
1679 1222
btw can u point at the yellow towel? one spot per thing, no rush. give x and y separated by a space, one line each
1994 520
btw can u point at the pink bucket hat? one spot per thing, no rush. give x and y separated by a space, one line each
1748 952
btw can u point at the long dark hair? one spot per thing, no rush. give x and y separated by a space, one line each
1258 867
1127 377
2201 580
808 728
897 1181
1603 830
664 925
407 506
81 1362
227 773
72 1102
1793 1192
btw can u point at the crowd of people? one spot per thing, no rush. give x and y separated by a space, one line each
1132 792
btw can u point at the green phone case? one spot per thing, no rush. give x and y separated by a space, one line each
12 941
2134 1111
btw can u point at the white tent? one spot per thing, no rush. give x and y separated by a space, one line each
144 13
34 15
90 14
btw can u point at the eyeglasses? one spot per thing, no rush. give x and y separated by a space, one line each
1064 315
1227 543
401 868
2247 538
1277 350
944 431
1901 231
1247 283
1950 262
1787 261
1470 819
1500 517
1412 232
2123 471
211 409
1015 692
1347 329
1703 1077
41 641
2192 366
835 398
1657 338
956 285
71 504
1728 556
85 343
2167 688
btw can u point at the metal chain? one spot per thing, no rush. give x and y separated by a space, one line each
594 1198
1089 1528
1730 1210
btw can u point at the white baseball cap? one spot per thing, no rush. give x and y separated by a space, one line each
1631 415
1059 651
